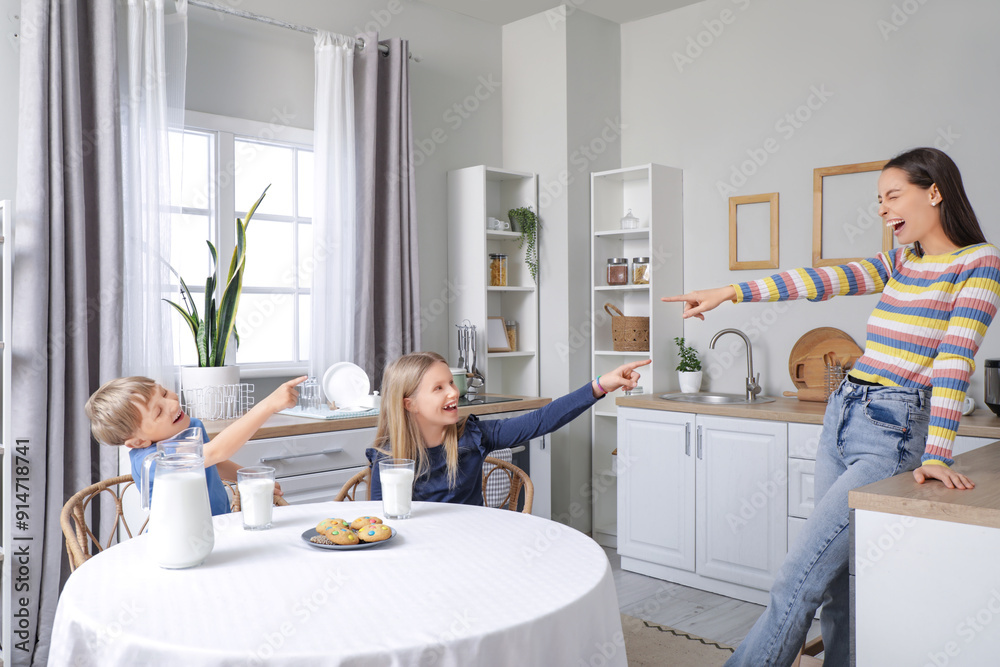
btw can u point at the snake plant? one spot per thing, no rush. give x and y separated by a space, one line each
212 332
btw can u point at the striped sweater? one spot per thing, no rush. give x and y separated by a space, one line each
927 326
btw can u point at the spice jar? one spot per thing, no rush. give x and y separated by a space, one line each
640 270
511 327
618 271
498 270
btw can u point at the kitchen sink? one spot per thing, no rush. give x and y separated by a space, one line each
714 398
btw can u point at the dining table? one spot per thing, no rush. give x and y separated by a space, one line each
456 585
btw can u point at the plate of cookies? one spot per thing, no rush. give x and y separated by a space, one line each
338 534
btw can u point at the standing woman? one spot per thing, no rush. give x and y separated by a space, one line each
900 405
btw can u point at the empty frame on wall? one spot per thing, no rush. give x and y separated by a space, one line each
846 224
754 222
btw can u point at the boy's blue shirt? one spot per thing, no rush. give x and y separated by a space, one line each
217 496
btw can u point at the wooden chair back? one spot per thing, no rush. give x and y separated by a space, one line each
519 481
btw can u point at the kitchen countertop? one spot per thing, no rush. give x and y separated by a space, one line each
931 500
282 426
981 423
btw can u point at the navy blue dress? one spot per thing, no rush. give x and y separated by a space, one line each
477 441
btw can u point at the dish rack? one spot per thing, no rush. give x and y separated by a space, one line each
225 401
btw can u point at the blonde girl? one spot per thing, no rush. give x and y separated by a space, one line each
419 420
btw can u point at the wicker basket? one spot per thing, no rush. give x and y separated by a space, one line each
628 333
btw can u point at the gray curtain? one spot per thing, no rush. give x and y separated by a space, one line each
67 287
387 320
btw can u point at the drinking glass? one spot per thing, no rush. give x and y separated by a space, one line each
396 476
256 487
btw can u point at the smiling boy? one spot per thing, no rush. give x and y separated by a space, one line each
137 412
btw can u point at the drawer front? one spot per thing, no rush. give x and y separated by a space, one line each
801 491
305 454
803 440
319 487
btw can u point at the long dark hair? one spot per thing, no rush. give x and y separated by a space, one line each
925 167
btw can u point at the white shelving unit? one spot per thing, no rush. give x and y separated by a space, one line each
654 194
474 195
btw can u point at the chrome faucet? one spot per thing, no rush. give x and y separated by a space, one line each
753 383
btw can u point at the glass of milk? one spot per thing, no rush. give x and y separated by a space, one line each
256 487
396 476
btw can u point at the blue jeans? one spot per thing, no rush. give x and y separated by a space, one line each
869 434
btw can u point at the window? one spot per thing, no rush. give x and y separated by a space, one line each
219 168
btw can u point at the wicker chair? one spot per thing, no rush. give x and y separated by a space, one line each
806 656
350 489
518 480
78 534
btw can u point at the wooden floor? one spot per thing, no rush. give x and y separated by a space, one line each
707 615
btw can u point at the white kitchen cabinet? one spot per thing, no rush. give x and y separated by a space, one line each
741 500
656 490
654 195
702 501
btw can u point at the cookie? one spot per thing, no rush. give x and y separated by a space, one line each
326 525
320 539
342 536
363 521
375 532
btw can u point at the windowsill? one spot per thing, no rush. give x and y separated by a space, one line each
251 371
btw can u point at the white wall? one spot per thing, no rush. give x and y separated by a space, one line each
9 63
890 80
561 73
250 70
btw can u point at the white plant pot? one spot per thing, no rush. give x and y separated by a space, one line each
690 382
205 404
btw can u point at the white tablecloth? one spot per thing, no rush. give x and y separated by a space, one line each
457 586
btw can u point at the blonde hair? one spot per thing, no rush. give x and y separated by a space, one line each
398 434
114 417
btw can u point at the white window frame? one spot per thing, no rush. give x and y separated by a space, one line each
226 130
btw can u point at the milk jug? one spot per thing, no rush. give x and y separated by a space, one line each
180 520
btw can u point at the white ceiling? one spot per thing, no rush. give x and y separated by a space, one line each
501 12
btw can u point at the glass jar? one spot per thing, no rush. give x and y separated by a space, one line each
640 270
630 221
498 269
618 270
511 327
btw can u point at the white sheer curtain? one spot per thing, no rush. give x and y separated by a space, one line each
334 239
152 103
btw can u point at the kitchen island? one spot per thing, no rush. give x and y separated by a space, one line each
924 568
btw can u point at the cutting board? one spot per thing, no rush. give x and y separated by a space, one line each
807 365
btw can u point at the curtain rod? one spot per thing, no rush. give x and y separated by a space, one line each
242 13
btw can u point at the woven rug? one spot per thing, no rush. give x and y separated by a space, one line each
651 645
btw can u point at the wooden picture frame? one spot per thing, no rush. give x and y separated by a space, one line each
818 176
496 335
772 261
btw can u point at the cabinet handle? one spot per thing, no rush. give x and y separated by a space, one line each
687 439
332 450
699 442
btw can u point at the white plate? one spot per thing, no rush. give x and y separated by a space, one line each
346 384
311 532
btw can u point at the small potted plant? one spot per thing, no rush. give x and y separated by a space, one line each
213 328
524 220
689 368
